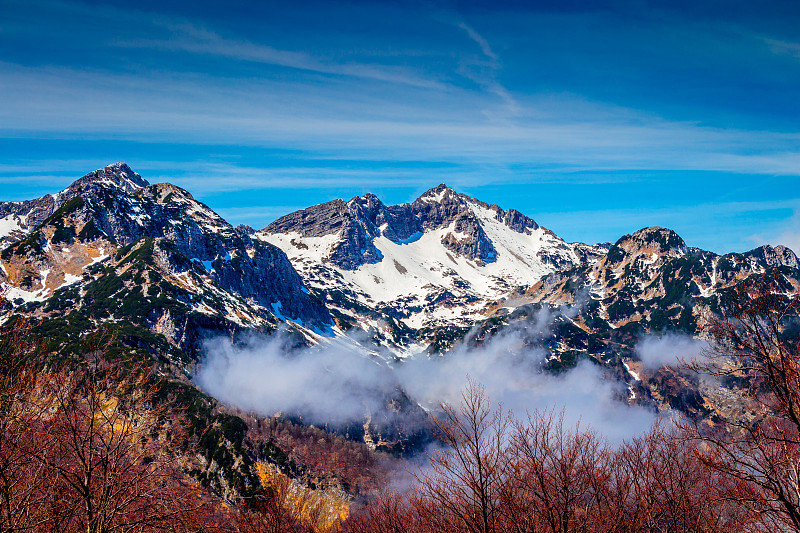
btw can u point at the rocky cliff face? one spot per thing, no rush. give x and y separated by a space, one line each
654 264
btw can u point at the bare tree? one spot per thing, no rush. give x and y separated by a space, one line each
24 481
388 512
111 452
669 488
757 344
462 489
555 472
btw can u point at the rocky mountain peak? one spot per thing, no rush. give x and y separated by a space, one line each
516 220
638 257
315 221
367 200
367 209
464 224
439 194
773 257
117 175
17 219
787 256
114 209
652 241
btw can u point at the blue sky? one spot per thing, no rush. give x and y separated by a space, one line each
594 118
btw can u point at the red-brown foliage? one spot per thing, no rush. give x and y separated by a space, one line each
757 344
538 475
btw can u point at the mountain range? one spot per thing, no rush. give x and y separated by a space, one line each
413 279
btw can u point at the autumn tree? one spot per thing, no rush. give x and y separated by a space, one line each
659 483
757 345
24 481
555 474
113 451
462 489
88 445
388 512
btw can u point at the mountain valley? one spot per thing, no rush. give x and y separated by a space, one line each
396 281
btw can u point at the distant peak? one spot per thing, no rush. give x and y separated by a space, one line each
441 188
367 198
119 165
117 174
664 240
657 232
437 194
775 256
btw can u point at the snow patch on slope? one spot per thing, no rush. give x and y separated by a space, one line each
422 278
9 224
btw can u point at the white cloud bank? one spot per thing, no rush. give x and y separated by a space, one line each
669 350
335 384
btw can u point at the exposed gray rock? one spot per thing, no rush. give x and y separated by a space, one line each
336 217
116 204
516 220
768 256
475 245
315 221
119 175
364 218
31 213
661 241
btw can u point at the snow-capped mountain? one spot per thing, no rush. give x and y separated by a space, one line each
112 223
438 261
649 283
163 270
414 276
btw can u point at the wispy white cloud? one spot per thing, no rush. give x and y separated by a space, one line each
483 43
466 106
783 47
333 121
669 350
337 382
188 37
485 72
163 32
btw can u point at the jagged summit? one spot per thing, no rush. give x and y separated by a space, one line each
17 219
438 194
117 174
59 237
439 259
314 221
773 256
